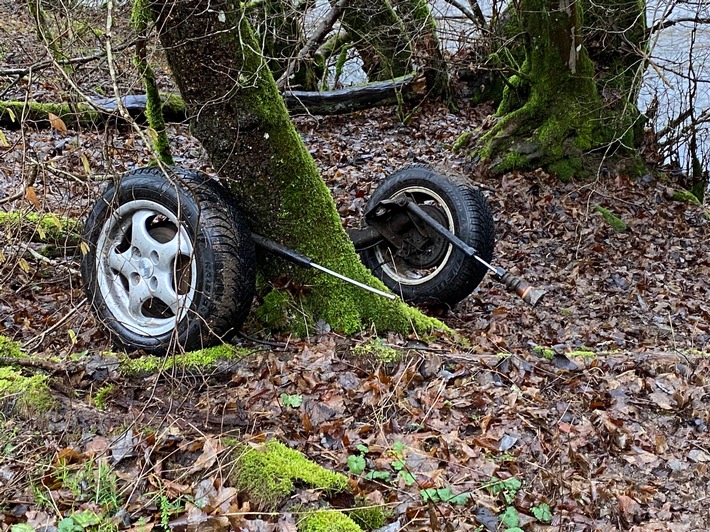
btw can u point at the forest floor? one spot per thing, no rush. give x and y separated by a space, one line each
589 411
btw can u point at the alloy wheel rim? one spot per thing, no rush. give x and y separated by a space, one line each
146 267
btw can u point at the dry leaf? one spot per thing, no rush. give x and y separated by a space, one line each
208 457
31 196
24 265
85 163
57 123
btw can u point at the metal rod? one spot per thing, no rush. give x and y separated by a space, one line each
352 281
307 262
448 235
515 284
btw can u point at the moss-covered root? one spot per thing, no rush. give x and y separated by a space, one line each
201 360
23 396
685 195
616 223
39 227
267 474
328 521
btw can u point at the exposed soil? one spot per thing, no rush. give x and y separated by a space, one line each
596 400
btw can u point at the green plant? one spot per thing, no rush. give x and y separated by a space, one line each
508 488
91 481
168 508
542 512
511 519
399 465
84 521
445 495
292 401
356 464
103 394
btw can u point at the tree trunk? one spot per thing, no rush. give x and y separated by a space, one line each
428 56
243 124
552 113
380 37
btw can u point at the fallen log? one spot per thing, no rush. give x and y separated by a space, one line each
381 93
341 101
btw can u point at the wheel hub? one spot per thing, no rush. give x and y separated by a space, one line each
145 268
425 249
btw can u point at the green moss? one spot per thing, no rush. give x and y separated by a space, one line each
544 352
327 521
26 396
377 349
201 359
567 168
274 311
40 227
267 474
685 195
71 115
369 517
616 223
140 19
102 395
512 161
582 354
9 348
462 141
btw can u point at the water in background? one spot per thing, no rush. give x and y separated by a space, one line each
679 52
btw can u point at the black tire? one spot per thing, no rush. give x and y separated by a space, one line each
170 262
437 273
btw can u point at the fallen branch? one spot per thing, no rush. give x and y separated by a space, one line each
381 93
412 86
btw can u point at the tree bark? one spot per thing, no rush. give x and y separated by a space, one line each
242 122
553 113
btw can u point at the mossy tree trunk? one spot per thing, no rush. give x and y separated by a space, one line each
553 113
428 55
243 124
380 37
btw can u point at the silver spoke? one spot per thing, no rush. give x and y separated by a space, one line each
138 294
140 237
121 262
166 254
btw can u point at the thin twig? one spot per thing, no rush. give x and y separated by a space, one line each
21 193
41 65
39 339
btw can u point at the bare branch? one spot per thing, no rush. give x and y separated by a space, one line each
663 24
321 32
41 65
474 14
